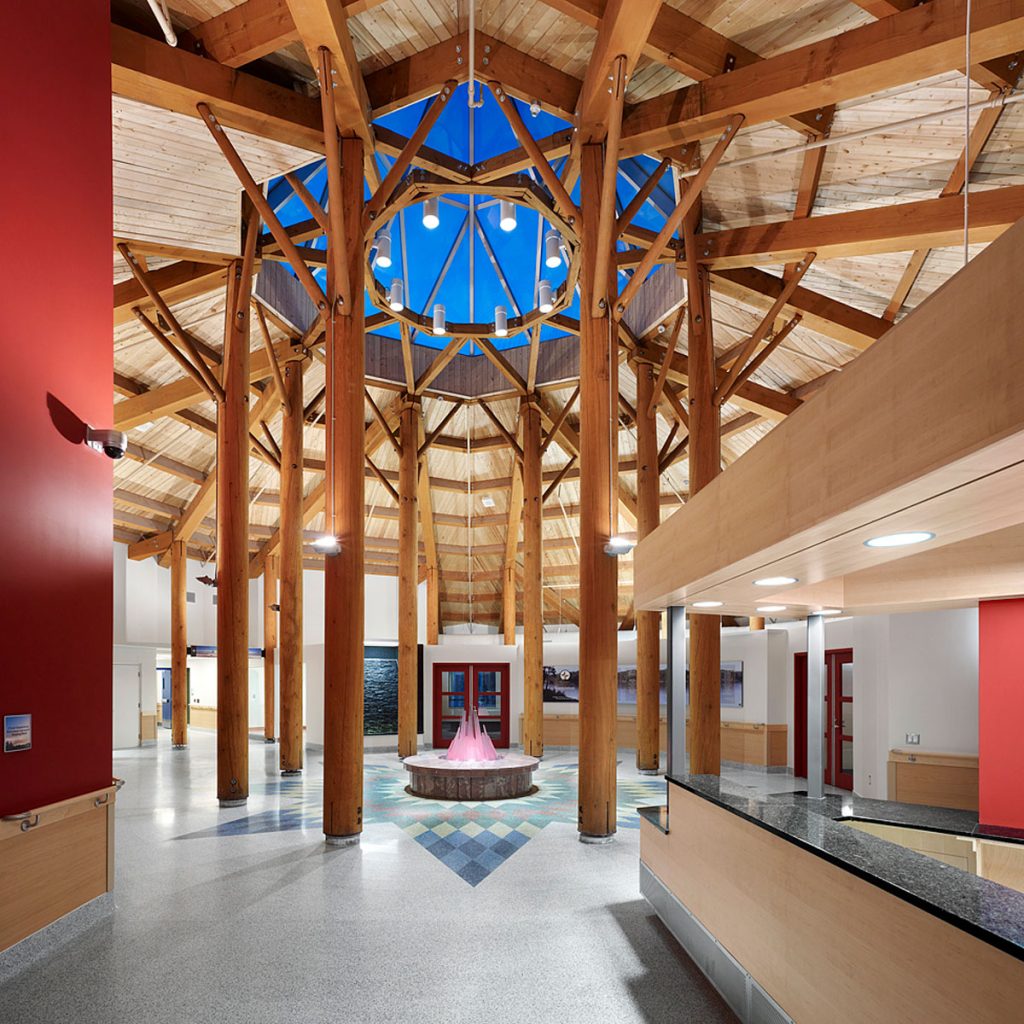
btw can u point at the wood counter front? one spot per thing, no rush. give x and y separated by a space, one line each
827 945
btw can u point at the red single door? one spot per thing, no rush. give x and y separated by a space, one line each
460 686
838 717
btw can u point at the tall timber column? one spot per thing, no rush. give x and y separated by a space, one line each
270 604
533 622
598 571
291 753
233 538
408 577
344 584
648 624
179 644
705 463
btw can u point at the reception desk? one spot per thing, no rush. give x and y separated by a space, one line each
797 916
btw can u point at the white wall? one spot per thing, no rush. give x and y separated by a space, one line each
915 672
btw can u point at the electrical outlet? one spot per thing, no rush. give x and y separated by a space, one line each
914 738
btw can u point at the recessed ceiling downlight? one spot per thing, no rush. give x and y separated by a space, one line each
765 608
899 540
706 604
831 611
776 581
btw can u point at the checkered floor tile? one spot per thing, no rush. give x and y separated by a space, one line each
472 838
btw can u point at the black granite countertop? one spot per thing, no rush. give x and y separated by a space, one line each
986 909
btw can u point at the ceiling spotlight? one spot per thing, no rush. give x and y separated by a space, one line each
384 249
500 322
431 217
618 546
776 581
395 295
706 604
552 249
327 544
507 221
534 108
772 608
487 501
544 303
439 322
899 540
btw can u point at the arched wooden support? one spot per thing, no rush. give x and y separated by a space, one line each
291 752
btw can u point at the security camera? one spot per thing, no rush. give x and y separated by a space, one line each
113 443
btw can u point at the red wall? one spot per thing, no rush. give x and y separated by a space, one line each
1001 713
56 575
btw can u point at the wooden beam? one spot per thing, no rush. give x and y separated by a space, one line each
179 645
425 505
176 282
439 362
826 316
623 29
247 32
502 429
502 364
559 420
150 71
908 47
928 223
675 218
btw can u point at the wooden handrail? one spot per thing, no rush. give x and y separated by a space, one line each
12 825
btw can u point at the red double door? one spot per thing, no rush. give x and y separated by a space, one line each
838 717
461 686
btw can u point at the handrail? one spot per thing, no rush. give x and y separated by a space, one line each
26 821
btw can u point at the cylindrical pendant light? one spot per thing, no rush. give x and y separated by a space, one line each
439 326
544 303
552 249
507 222
384 248
431 217
500 322
395 297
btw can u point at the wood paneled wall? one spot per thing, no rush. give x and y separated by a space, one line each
753 743
65 859
938 780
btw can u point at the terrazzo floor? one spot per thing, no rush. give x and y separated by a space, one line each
446 912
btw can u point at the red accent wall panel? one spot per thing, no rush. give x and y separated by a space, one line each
56 573
1000 713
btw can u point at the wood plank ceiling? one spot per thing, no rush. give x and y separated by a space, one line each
175 199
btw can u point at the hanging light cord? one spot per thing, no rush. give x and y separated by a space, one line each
469 519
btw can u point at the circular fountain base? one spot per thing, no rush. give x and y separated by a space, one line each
434 776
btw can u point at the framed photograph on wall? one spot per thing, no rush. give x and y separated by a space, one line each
17 733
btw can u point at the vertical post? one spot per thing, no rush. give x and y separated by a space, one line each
433 605
233 537
648 624
756 623
269 649
815 707
533 615
598 571
292 751
705 463
179 644
508 604
408 563
677 650
344 582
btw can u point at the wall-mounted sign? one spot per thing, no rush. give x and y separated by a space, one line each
17 733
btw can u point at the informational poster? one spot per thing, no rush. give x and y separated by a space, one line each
17 733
